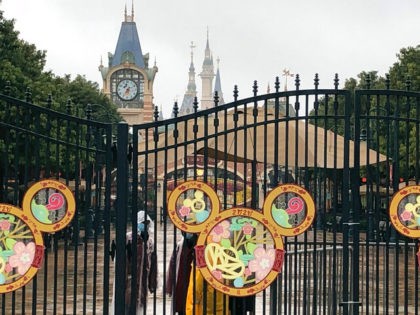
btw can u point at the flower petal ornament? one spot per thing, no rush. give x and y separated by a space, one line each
240 251
48 206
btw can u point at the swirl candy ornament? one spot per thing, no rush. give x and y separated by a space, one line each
48 206
240 250
291 207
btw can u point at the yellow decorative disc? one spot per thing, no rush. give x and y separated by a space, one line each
50 204
291 207
404 211
191 205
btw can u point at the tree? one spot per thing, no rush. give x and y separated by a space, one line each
22 67
407 67
382 133
22 74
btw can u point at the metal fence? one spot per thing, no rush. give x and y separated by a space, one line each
351 150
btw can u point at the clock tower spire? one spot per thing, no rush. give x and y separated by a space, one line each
128 80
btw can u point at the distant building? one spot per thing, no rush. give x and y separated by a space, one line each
191 93
208 91
127 79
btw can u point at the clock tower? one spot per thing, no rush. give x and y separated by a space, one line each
128 80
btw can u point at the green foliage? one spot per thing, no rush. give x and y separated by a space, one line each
22 67
395 138
22 73
406 68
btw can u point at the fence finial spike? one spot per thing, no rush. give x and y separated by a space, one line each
195 104
316 81
297 81
277 84
408 83
49 101
216 98
175 109
368 81
387 81
255 88
336 81
235 92
156 113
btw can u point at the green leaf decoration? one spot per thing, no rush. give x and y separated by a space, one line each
251 247
6 254
225 242
10 242
235 226
245 258
8 217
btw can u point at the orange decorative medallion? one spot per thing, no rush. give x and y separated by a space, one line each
48 206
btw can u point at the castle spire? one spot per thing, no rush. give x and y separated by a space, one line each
129 18
218 84
132 10
207 76
191 93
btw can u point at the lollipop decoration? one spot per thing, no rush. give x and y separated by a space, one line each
48 206
404 212
240 250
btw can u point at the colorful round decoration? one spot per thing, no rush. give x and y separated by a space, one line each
240 252
21 248
291 207
404 211
50 204
192 204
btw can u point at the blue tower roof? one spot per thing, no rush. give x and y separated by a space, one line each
128 46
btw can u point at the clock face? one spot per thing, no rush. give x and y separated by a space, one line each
127 90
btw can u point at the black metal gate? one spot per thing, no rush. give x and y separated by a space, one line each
37 143
351 150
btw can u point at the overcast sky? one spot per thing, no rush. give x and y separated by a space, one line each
255 40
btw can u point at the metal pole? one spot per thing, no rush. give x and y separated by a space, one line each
121 217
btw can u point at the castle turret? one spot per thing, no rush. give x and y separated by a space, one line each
128 80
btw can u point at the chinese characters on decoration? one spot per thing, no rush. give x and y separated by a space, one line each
240 250
404 212
48 206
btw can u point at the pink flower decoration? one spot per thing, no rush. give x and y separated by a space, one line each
262 262
220 231
184 211
5 225
217 274
7 268
23 257
406 215
247 229
247 272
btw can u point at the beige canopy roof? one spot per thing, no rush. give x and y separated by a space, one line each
266 140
